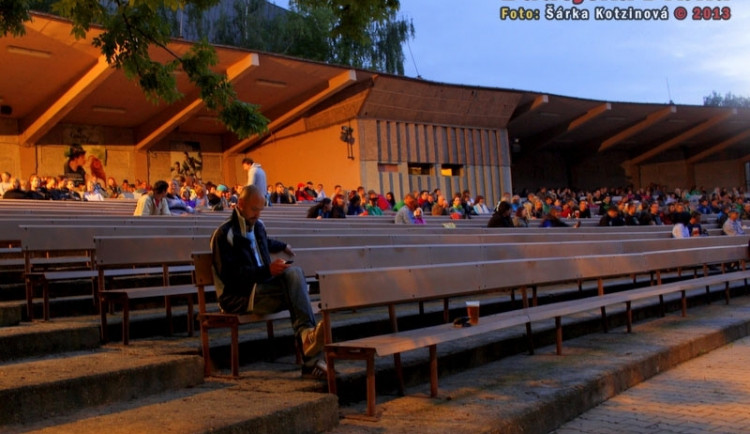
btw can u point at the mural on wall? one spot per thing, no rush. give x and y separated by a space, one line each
84 155
186 158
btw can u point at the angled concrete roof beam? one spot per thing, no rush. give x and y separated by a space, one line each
57 109
684 136
719 147
335 85
650 120
234 72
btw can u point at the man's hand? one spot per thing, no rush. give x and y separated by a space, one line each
288 250
278 266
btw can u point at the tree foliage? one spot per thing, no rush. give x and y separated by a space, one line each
130 28
363 33
728 100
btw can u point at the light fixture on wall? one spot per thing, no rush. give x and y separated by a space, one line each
29 52
270 83
106 109
515 147
348 138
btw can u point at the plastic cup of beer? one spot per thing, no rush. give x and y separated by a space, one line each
472 309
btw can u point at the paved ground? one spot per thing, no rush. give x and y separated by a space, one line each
707 394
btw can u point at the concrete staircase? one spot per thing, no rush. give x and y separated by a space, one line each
56 376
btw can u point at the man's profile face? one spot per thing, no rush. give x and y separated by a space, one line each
251 207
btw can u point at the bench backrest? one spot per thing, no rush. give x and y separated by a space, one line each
348 289
51 238
311 260
116 251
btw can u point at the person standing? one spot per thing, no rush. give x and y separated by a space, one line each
255 176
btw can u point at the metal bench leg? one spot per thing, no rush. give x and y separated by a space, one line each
331 373
433 371
126 322
558 335
529 336
662 309
726 292
235 351
45 300
600 291
29 300
103 308
190 316
399 374
629 316
684 303
370 385
168 308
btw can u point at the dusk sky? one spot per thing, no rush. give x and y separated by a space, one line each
466 42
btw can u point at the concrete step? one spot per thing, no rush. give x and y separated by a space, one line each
261 401
11 313
41 388
32 339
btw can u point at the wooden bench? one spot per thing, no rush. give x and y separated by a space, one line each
171 253
40 240
362 288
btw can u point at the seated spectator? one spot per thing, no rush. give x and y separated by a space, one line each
113 191
694 225
36 191
153 203
15 191
612 218
605 205
723 215
53 192
552 219
652 216
390 199
321 210
480 207
703 206
302 195
441 206
93 192
405 215
584 211
320 194
501 217
215 197
733 226
310 190
201 198
680 229
176 205
338 207
745 214
280 194
631 215
457 210
355 204
5 184
418 219
372 208
422 202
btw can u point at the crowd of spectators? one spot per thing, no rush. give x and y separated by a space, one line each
544 207
679 208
